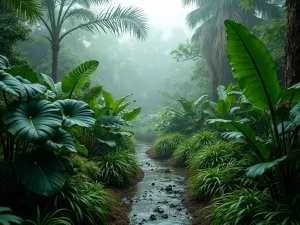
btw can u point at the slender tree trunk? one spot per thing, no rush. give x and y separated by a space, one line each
55 50
215 84
292 46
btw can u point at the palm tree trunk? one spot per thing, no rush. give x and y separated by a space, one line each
292 46
55 51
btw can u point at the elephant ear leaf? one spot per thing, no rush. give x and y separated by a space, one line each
32 90
77 78
23 71
4 62
34 121
76 113
41 172
61 139
11 85
252 66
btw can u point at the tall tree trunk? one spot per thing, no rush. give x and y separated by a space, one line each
292 46
55 51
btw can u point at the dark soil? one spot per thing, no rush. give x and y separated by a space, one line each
200 211
120 213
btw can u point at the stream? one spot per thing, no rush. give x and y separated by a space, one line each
156 199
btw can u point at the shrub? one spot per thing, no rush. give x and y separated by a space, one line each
238 207
214 155
117 167
192 145
86 167
249 207
165 146
87 203
126 144
208 183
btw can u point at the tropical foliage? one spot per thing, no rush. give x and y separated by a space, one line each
165 146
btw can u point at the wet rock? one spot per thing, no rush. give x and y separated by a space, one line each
130 201
159 210
165 216
179 209
169 188
167 171
152 217
153 184
173 206
134 215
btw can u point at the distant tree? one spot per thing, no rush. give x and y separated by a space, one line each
292 42
12 30
208 19
116 20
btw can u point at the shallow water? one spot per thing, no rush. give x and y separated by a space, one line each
145 198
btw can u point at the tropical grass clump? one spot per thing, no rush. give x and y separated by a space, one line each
86 167
117 167
165 146
126 143
209 183
190 146
251 207
216 154
87 203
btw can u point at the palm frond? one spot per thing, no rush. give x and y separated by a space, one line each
29 9
117 20
81 14
268 10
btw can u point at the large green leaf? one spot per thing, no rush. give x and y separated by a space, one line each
121 107
112 122
32 90
76 113
246 131
23 71
3 62
252 66
259 169
110 143
292 93
221 91
295 115
11 85
77 78
199 100
61 139
48 82
34 121
41 172
114 106
7 218
128 116
108 98
100 112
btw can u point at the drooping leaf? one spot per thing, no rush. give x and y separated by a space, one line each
199 100
82 149
6 216
295 114
292 93
247 132
252 66
128 116
259 169
48 82
23 71
108 98
112 122
222 109
34 121
110 143
77 78
32 90
41 172
59 92
3 62
11 85
232 136
123 133
61 139
186 104
76 113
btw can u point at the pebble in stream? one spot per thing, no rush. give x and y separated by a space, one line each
156 198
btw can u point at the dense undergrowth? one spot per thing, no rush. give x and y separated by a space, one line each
61 143
245 153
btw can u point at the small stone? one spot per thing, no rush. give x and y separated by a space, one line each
165 216
169 188
153 217
134 215
172 206
153 184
